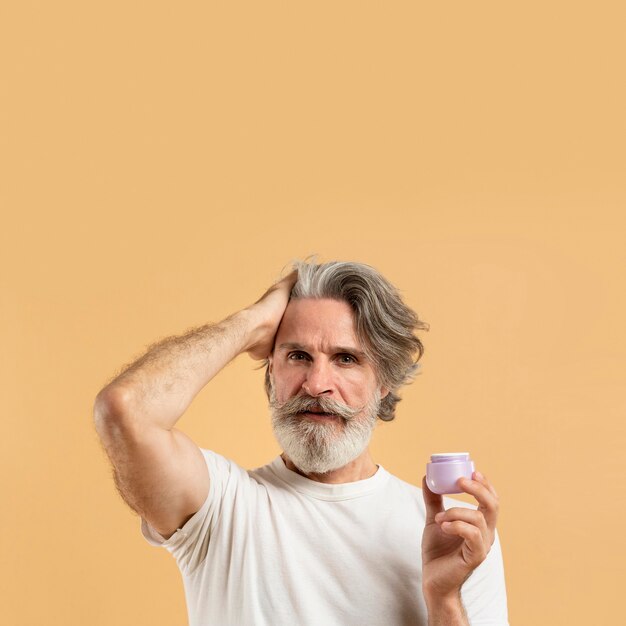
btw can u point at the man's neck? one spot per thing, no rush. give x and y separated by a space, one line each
361 468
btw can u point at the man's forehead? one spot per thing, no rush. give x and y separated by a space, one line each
313 323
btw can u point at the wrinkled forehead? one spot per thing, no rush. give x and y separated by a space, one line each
318 321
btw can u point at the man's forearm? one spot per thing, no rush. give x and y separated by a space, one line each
446 612
160 385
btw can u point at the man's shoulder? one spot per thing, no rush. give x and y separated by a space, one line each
229 471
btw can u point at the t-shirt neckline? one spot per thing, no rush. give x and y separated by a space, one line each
325 491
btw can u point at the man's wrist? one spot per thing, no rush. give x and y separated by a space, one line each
446 610
251 325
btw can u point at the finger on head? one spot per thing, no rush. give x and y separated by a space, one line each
287 272
292 277
289 278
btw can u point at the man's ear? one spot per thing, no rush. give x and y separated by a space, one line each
384 392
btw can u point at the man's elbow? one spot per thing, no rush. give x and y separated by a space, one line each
111 404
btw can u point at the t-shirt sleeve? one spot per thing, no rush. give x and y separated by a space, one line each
190 544
484 592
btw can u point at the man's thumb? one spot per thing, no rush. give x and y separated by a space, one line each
433 502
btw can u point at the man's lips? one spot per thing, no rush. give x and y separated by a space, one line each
319 416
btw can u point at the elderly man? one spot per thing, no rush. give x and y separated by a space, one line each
321 535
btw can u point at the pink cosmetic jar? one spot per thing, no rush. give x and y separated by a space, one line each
445 469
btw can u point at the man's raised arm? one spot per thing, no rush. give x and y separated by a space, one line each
159 471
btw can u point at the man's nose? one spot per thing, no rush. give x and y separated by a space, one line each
318 380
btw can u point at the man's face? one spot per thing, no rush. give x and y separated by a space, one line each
325 396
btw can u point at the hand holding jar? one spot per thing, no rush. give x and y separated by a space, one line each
456 540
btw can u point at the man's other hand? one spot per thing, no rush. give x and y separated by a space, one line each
457 540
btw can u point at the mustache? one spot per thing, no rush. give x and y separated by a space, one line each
304 403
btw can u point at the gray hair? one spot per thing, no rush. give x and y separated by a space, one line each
385 326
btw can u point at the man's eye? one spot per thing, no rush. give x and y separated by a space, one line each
296 356
347 358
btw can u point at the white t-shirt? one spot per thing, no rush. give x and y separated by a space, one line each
270 547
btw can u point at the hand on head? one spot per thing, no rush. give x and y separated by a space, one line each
267 313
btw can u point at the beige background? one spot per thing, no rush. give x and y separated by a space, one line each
162 162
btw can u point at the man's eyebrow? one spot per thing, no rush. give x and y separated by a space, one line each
334 349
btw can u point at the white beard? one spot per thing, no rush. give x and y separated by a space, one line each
318 447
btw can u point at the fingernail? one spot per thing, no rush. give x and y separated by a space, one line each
439 516
479 475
